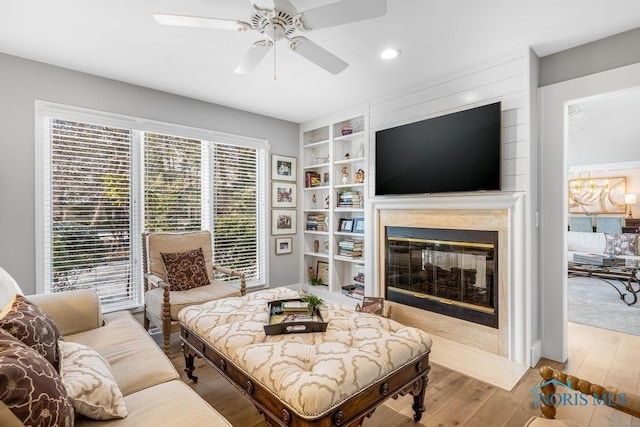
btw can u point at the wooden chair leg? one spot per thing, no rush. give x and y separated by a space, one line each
166 333
147 323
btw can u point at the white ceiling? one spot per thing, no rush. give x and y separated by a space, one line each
119 39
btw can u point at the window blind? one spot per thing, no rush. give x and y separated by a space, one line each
105 177
238 210
173 192
88 238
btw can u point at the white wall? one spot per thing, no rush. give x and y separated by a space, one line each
23 81
512 81
553 195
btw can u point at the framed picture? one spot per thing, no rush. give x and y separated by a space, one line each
284 245
283 221
358 225
283 167
322 272
283 194
346 224
373 305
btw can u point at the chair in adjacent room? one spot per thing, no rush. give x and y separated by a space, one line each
179 272
611 225
580 223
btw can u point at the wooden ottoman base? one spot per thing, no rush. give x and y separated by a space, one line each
409 379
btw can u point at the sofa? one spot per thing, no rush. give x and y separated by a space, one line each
624 245
152 391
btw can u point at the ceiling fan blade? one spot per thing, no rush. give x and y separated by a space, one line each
199 22
253 57
286 6
343 12
316 54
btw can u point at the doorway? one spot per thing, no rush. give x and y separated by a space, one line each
553 196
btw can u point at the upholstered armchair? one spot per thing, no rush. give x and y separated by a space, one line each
179 272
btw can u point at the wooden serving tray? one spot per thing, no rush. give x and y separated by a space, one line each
291 322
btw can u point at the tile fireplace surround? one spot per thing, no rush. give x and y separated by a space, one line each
502 212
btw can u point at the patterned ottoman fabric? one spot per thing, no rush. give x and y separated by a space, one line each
311 372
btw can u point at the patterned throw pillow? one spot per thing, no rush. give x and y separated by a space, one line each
30 387
29 324
620 244
89 382
185 270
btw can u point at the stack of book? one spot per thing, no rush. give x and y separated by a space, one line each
350 248
358 284
312 179
316 222
349 199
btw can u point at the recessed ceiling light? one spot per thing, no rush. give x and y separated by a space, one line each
390 53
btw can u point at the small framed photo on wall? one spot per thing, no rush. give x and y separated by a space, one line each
283 167
283 221
283 194
284 245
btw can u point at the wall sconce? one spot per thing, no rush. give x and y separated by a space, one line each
630 199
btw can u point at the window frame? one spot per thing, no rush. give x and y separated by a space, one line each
45 110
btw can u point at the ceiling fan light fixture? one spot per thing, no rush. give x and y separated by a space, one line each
390 53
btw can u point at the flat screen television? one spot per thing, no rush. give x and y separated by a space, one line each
458 152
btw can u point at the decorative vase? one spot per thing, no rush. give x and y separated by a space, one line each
316 245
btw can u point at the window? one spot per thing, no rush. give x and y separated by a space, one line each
106 178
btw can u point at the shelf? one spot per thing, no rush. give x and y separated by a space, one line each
349 185
353 160
317 254
316 144
349 234
347 259
348 210
350 137
328 143
320 233
317 165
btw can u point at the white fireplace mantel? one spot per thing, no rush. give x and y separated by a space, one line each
518 335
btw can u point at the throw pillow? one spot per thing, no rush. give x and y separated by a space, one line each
30 387
185 270
91 387
28 323
620 244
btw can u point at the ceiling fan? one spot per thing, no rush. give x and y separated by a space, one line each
279 19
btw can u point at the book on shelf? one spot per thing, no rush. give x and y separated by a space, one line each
312 179
316 222
350 248
349 199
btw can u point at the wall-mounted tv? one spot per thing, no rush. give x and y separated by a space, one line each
458 152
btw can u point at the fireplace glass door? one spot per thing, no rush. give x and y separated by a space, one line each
446 272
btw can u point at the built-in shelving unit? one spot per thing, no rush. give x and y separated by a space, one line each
334 172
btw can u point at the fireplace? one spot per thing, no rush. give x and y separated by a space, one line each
450 272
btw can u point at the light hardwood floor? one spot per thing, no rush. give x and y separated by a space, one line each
453 399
